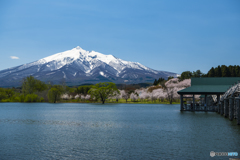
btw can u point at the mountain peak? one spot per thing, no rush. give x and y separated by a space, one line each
80 66
78 48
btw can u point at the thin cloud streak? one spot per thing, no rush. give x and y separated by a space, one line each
14 57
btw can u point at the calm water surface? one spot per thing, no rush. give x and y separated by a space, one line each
118 131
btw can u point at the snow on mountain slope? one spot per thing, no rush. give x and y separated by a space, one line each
78 65
88 59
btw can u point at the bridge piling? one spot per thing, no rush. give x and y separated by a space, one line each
181 99
238 110
231 109
222 108
226 108
234 109
218 103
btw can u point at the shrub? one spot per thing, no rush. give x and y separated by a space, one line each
41 99
31 98
6 100
54 93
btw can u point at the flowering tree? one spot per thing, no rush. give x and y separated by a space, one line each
144 95
167 91
152 96
172 86
124 95
77 96
65 96
162 96
158 94
118 96
82 97
185 83
133 96
87 97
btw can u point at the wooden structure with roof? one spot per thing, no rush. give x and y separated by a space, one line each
207 86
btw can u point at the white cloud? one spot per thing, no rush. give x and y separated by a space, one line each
14 57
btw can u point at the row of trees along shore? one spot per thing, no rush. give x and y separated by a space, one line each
33 90
219 71
162 91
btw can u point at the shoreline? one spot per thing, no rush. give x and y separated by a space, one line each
100 102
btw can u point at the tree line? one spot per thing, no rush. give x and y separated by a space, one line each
219 71
34 90
224 71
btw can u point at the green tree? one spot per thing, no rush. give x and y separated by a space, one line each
6 93
160 80
218 72
237 71
3 94
20 98
31 85
54 93
32 98
198 73
155 82
211 72
83 90
185 75
232 71
103 91
170 77
224 71
9 92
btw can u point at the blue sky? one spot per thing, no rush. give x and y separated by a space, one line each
165 35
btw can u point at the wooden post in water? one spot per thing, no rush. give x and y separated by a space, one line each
218 103
205 105
226 107
234 109
222 108
238 110
231 109
181 106
193 109
219 107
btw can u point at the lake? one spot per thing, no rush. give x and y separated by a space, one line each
112 131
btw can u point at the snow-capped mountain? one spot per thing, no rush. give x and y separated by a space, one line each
78 66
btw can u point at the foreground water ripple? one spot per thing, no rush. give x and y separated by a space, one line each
124 131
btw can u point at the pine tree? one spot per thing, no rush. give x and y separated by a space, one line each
211 72
198 73
155 82
232 71
224 71
219 72
160 80
237 71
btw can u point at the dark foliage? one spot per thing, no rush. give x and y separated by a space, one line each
160 80
83 90
136 86
224 71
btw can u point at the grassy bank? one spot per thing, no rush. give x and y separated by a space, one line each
119 101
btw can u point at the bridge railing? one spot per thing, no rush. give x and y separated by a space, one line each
230 91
